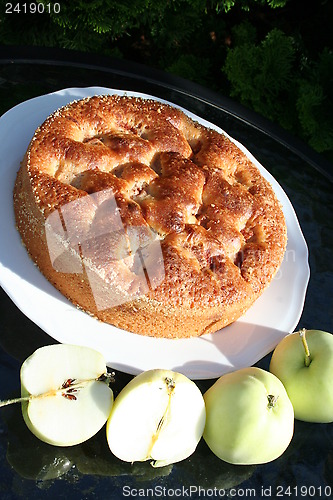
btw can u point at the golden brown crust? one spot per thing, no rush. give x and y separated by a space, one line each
127 181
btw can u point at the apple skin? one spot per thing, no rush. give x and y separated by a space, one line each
241 428
310 388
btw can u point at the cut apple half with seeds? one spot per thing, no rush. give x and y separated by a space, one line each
66 397
159 415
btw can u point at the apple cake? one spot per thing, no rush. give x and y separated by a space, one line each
145 218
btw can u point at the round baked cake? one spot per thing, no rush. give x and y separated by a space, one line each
146 219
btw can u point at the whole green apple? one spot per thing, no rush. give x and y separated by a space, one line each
249 417
303 361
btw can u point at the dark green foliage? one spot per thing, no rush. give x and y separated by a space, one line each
271 55
271 78
191 67
261 75
315 103
226 5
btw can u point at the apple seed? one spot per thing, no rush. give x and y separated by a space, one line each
66 390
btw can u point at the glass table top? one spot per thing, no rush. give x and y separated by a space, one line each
32 469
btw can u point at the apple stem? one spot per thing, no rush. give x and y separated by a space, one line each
67 389
271 401
307 360
7 402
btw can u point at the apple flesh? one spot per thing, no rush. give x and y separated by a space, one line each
303 361
159 415
65 400
250 419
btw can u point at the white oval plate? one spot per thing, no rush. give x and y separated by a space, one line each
275 314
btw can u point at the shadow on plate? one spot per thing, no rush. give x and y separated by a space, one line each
237 349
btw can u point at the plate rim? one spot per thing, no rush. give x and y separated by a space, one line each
197 374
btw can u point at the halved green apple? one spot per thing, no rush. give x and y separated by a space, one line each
159 415
66 400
